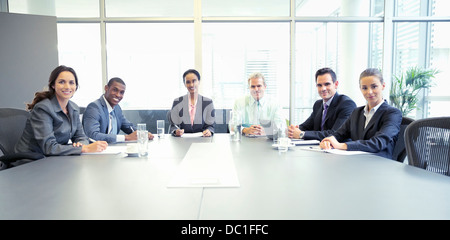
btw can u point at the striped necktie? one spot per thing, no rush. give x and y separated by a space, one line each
325 106
112 123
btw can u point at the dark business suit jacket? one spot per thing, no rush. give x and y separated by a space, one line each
96 121
48 129
378 137
339 110
204 115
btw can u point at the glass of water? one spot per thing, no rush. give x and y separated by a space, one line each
160 128
234 125
142 136
141 126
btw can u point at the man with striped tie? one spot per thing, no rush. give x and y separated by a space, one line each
103 118
329 113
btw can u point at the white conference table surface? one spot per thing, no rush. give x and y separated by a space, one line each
298 184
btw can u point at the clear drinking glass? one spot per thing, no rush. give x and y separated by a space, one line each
283 144
142 136
160 128
235 126
141 126
142 139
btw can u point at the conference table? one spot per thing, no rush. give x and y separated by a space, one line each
297 184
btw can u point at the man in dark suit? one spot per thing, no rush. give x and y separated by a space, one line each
103 118
322 123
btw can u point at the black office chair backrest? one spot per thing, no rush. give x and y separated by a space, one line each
12 123
428 144
399 153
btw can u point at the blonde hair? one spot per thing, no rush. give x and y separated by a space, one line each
256 75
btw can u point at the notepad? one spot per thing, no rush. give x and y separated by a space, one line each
335 151
206 165
192 135
299 142
110 150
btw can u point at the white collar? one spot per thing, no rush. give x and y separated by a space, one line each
110 109
374 109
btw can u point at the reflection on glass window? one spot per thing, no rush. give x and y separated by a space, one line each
59 8
84 56
232 8
344 47
151 58
440 60
363 8
149 8
415 8
232 51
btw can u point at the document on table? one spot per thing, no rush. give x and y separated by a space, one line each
111 150
299 142
335 151
192 135
206 165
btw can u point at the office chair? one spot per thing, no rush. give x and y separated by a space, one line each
428 144
12 122
399 153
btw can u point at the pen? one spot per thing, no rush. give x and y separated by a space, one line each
132 128
92 140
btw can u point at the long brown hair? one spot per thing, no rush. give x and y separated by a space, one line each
39 96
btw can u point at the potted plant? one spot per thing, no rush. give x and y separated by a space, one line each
404 89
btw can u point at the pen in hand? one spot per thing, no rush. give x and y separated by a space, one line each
92 140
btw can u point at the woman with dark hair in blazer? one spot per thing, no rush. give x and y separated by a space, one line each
54 119
192 112
372 128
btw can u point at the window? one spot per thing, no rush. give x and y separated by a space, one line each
84 56
151 58
149 8
230 8
363 8
343 47
150 43
233 51
59 8
424 44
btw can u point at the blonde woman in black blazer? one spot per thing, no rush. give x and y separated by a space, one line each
372 128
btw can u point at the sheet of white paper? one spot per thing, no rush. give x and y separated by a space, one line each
192 135
206 165
335 151
111 150
299 142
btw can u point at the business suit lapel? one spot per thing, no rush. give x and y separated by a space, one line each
361 122
375 118
318 115
332 107
105 118
187 116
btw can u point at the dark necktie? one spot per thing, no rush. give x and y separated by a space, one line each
325 106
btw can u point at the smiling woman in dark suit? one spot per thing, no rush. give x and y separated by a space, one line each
372 128
192 112
54 120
